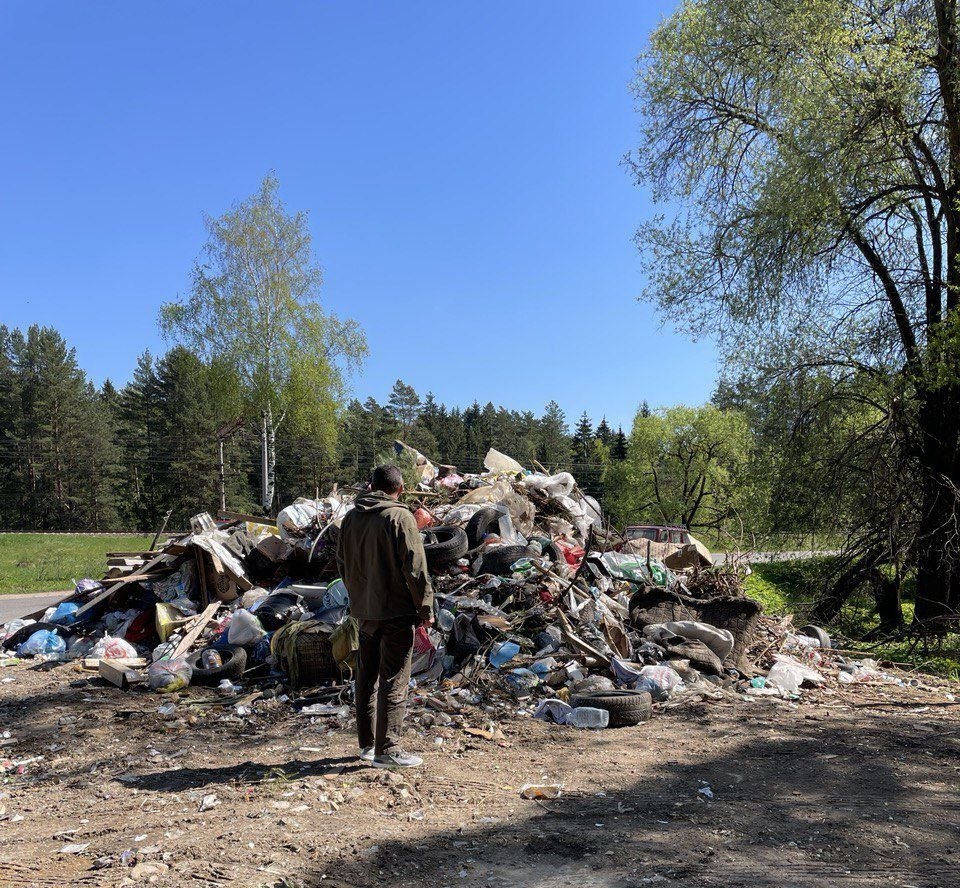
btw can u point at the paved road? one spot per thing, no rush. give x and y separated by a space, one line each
766 557
13 606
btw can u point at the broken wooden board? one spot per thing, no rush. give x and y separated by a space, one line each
201 575
143 556
130 578
125 662
107 594
120 676
185 643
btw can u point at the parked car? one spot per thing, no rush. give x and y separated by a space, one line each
672 544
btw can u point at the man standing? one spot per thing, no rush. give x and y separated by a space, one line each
383 565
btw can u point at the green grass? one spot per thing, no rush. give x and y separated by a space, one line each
38 562
791 587
787 587
733 540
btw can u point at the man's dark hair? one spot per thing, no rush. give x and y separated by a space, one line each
388 479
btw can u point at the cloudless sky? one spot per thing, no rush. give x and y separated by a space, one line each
460 163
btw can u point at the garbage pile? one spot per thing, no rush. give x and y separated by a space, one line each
540 608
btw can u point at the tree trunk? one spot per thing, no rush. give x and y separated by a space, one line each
938 536
886 593
270 448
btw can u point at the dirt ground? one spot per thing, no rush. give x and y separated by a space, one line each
827 793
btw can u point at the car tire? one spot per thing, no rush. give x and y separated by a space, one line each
481 522
444 544
233 666
498 561
626 708
817 633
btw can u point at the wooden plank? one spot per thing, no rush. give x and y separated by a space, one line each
107 594
124 662
130 578
578 642
119 675
141 555
194 632
202 574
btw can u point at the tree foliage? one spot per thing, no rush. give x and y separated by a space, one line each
814 152
254 306
684 465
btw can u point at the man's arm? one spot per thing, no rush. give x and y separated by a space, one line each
414 560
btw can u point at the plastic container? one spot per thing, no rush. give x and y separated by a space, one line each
588 717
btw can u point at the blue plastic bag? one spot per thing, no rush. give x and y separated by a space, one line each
503 652
65 614
43 641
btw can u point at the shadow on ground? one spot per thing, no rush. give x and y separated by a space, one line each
840 805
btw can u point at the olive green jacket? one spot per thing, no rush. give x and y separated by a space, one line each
382 562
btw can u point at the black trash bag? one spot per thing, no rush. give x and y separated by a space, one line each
278 609
466 638
648 653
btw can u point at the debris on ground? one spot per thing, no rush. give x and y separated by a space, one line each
542 611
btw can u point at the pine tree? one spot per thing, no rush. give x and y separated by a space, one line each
604 433
404 405
52 391
583 440
139 432
554 449
618 451
97 480
11 475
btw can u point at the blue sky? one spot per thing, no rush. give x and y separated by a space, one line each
460 163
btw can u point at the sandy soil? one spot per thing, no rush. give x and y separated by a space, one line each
833 792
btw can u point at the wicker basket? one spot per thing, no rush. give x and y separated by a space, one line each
312 656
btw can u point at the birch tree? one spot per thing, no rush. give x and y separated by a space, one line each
254 304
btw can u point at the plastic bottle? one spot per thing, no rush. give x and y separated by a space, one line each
588 717
211 659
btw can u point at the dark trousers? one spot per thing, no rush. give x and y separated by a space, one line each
383 678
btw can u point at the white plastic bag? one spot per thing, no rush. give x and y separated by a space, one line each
664 676
558 485
788 674
15 626
110 648
245 629
295 517
495 461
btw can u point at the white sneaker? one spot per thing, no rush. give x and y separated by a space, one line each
397 758
367 754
